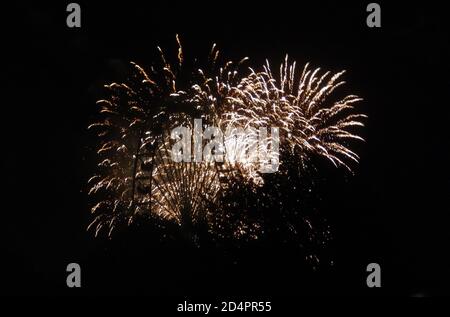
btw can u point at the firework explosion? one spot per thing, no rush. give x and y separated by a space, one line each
136 176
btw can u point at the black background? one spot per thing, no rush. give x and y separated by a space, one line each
392 211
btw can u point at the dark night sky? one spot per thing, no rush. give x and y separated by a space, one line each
393 211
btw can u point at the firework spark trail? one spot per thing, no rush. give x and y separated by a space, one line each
300 110
136 175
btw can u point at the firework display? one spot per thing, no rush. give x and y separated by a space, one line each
137 176
226 155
